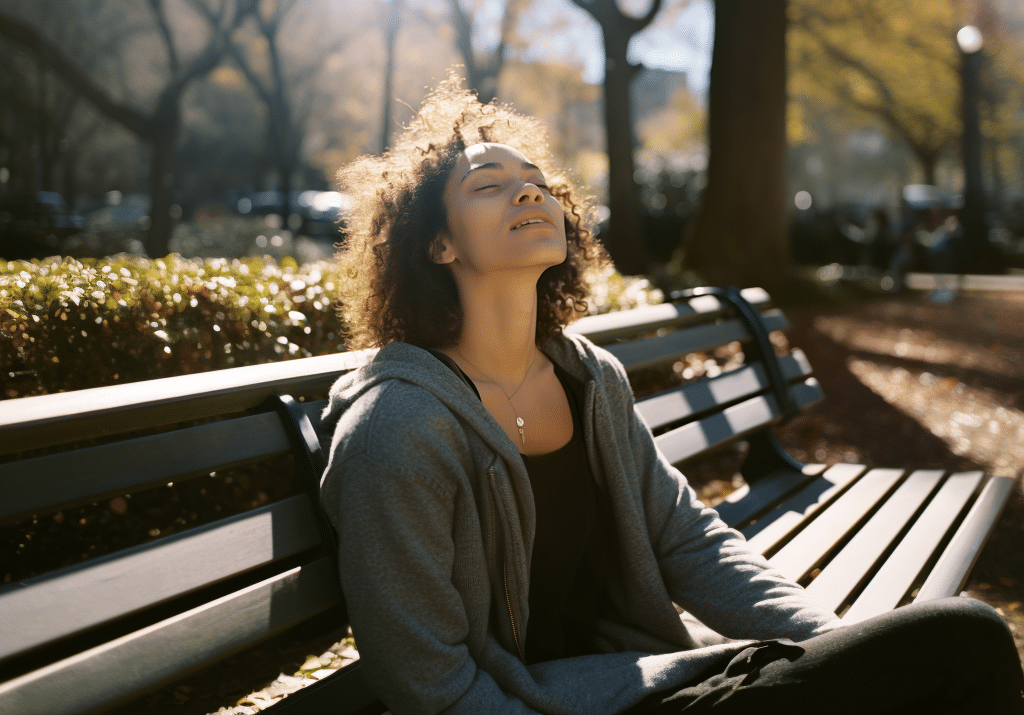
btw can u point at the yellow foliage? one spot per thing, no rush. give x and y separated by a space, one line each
898 63
227 76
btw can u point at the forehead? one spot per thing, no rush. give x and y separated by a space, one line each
488 153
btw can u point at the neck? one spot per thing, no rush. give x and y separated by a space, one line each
499 326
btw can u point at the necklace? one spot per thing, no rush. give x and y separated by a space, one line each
519 420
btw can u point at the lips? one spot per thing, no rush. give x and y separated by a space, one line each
531 220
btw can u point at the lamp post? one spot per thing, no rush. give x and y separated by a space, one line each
972 218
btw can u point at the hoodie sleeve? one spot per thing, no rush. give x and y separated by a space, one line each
393 501
707 567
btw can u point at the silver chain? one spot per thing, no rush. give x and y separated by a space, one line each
519 420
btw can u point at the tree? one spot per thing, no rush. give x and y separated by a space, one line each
263 62
625 240
483 68
739 234
900 67
161 125
45 123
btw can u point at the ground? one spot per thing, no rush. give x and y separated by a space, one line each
909 381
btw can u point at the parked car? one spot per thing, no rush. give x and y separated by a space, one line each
323 213
35 225
122 213
264 203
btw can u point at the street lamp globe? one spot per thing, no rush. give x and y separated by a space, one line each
969 39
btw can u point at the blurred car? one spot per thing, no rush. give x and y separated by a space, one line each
265 203
323 213
118 227
35 225
124 212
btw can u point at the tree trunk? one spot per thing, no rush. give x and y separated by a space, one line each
625 238
928 162
392 19
740 235
161 183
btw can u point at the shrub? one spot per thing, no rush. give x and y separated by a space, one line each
73 324
69 324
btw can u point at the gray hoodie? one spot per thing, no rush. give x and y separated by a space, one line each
435 518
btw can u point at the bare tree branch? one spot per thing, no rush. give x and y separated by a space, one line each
157 6
30 40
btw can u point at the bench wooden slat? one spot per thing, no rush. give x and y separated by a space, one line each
681 402
645 352
747 502
69 601
626 323
851 566
694 438
949 575
94 473
44 420
796 559
897 575
774 526
123 668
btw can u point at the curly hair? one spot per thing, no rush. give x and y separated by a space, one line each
392 290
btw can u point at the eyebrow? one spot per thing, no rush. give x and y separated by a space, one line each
495 165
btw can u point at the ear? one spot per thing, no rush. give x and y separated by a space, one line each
441 251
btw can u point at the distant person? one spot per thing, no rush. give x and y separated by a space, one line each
511 540
946 244
879 239
901 258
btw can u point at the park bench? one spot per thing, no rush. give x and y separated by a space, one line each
103 631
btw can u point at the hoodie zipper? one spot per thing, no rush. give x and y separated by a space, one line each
511 616
504 578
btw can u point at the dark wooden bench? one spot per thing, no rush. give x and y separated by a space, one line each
103 631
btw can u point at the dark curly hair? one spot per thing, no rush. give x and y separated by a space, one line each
392 290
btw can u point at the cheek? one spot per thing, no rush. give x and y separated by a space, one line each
560 212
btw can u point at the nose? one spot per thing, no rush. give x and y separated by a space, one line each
529 193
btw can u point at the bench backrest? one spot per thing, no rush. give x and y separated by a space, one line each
103 630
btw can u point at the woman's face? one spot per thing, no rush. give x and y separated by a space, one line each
501 215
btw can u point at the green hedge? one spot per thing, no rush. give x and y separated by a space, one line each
73 324
68 324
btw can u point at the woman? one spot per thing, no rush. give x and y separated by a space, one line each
510 539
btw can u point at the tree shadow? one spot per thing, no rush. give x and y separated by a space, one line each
853 423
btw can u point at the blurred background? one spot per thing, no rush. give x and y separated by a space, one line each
726 141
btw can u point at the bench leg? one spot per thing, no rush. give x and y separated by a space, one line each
766 456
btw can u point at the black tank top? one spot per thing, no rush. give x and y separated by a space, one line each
566 584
